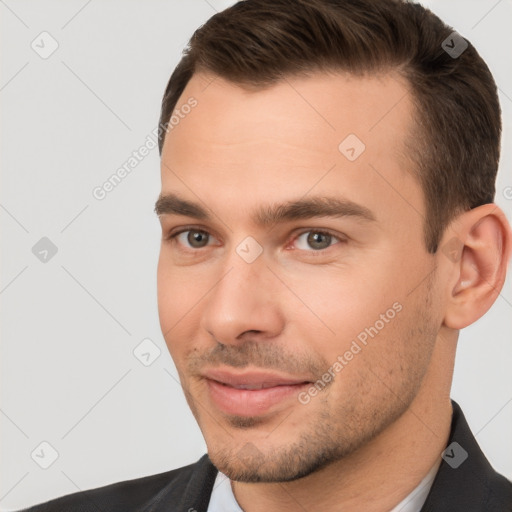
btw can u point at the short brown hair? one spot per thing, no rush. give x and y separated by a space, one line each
455 146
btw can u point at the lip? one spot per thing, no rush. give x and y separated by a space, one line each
268 390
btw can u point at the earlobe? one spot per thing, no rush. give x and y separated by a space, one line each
480 270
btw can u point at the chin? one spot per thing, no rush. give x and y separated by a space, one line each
249 464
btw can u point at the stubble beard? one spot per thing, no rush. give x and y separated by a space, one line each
337 430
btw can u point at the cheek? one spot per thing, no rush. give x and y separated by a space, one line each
165 296
362 327
176 299
374 364
337 304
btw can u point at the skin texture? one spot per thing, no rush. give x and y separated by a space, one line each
368 438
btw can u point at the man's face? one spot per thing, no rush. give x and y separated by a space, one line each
299 331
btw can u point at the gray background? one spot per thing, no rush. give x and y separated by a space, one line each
69 325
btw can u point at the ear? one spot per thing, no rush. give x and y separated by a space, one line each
478 250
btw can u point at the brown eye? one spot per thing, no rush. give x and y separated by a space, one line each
191 238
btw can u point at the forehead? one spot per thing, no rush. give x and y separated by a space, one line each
325 132
331 103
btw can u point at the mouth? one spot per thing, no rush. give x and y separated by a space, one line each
252 393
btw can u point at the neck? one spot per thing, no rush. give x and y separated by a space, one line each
380 474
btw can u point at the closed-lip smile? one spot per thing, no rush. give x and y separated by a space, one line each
251 392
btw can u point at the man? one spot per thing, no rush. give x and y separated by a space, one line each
328 228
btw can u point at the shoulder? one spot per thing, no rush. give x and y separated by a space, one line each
499 496
466 481
134 495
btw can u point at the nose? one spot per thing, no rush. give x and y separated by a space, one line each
247 299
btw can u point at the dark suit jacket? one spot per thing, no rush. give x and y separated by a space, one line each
473 486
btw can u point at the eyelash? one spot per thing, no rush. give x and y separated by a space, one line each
173 235
319 252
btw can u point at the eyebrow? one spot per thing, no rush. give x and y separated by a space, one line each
266 215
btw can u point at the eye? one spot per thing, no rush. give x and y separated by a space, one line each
316 240
192 238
